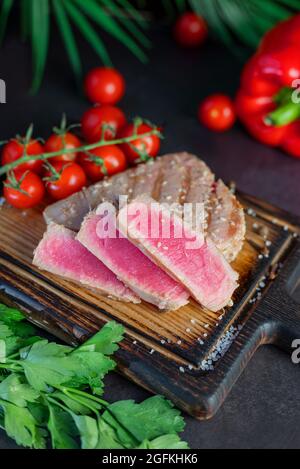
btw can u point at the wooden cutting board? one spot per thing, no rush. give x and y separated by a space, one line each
180 354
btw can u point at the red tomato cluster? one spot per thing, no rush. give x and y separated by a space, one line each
68 172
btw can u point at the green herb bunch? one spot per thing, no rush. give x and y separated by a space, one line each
50 394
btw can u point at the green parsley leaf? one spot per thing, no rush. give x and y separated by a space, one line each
88 430
16 322
106 340
165 442
152 418
8 342
39 411
46 364
107 437
5 331
62 429
21 425
93 366
121 434
14 390
8 314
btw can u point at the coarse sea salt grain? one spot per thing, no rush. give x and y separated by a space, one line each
181 369
221 348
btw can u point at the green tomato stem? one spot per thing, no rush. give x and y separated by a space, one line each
44 156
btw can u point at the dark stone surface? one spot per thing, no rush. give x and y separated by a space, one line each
263 409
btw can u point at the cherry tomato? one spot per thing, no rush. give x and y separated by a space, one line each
146 146
25 190
14 149
104 85
70 178
103 161
190 30
57 142
94 118
217 112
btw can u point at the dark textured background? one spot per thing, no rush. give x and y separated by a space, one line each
263 410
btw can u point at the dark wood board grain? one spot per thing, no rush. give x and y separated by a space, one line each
164 352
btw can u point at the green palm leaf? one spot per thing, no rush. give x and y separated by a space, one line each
238 21
39 39
246 20
210 13
133 12
67 36
229 20
4 14
88 32
25 8
117 17
93 9
127 23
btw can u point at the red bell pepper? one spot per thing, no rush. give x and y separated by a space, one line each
264 101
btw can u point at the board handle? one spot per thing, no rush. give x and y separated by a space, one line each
281 305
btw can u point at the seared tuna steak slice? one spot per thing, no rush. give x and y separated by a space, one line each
187 256
226 225
173 178
130 265
61 254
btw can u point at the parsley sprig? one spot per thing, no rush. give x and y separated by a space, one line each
50 394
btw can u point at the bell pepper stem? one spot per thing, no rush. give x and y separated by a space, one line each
285 114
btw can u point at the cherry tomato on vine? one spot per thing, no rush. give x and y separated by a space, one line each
103 161
217 112
104 85
23 190
142 148
190 30
63 179
94 118
14 150
57 142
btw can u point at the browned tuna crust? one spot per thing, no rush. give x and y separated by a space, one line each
174 178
